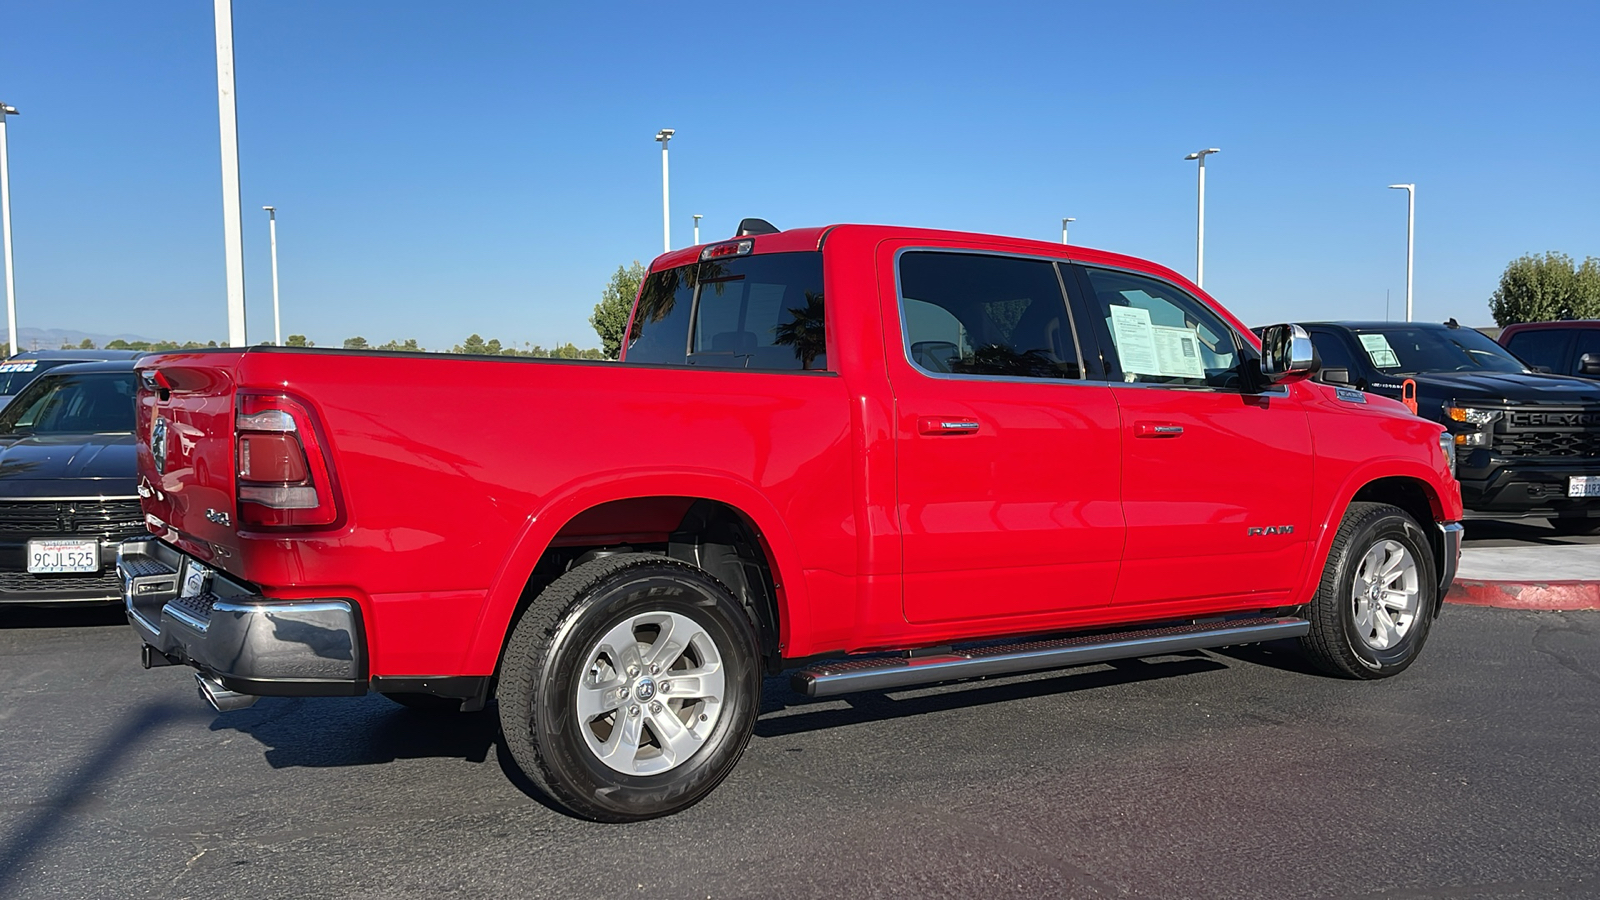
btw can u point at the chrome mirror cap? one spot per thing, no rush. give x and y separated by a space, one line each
1287 353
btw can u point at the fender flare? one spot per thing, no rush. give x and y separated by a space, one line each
569 500
1362 475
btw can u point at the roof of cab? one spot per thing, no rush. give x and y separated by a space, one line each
813 238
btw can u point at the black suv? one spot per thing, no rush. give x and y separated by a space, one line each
1527 442
67 485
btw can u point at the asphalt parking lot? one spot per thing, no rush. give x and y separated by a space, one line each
1227 775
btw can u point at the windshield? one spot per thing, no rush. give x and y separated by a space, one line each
15 374
88 403
1402 350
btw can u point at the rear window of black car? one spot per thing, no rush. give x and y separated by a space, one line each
79 403
754 312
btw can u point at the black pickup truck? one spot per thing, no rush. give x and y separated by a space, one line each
1527 442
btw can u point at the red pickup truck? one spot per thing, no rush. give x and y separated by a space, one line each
872 456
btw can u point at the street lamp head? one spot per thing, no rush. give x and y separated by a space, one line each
665 135
8 110
1199 153
270 208
1402 187
1066 220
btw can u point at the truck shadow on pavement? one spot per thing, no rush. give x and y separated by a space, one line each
358 731
362 731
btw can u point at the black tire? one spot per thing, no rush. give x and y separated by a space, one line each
1576 526
428 704
1334 642
548 656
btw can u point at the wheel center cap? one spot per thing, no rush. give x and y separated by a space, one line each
645 688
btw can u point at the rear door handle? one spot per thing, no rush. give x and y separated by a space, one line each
947 425
1157 430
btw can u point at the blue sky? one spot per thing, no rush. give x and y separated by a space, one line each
443 169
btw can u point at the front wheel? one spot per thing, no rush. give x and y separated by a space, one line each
1378 595
630 687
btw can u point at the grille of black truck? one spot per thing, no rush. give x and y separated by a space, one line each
38 518
103 582
1548 434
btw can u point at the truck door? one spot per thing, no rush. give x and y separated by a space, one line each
1007 457
1216 478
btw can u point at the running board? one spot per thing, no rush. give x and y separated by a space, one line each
887 673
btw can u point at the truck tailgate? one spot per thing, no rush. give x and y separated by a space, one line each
185 435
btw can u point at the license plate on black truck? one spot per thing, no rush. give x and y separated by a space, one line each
47 557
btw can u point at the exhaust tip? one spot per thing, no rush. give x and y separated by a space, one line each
220 698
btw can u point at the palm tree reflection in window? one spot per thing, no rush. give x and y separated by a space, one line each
804 332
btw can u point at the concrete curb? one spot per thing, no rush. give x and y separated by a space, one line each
1543 595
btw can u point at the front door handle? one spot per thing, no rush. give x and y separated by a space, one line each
1157 430
947 425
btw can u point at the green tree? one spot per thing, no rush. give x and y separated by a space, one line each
1542 288
356 343
293 340
473 344
610 319
410 344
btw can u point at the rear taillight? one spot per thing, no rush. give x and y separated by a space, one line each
284 479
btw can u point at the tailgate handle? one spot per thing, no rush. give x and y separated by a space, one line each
1157 430
947 425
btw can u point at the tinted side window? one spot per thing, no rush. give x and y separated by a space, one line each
1588 342
1161 335
761 312
971 314
1540 348
1334 354
661 322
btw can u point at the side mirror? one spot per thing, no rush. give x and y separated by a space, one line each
1589 364
1334 376
1287 354
1544 370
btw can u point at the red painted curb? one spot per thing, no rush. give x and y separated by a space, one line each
1545 595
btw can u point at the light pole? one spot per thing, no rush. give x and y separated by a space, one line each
1064 229
1200 227
232 221
5 215
697 229
1411 230
664 135
272 228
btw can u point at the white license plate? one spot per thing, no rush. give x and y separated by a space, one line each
196 580
50 556
1583 486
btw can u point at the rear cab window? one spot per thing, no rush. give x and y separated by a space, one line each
764 312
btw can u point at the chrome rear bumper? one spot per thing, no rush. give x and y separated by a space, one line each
245 642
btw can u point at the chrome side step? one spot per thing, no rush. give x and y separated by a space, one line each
888 673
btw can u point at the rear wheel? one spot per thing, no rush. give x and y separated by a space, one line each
1576 526
630 687
1379 591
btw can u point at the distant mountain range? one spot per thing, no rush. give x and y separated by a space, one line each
53 338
